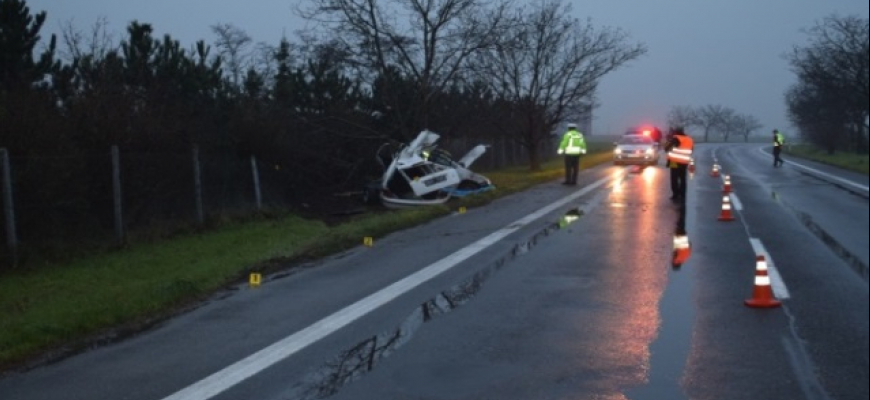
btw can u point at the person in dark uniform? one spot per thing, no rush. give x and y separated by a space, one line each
679 148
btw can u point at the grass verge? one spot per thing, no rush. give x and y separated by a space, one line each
61 308
850 161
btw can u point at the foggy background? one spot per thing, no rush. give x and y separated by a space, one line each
699 52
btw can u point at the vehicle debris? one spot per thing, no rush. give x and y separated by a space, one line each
420 173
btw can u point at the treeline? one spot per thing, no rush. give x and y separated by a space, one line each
831 101
311 112
714 121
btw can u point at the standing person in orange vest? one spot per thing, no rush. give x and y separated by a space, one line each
679 147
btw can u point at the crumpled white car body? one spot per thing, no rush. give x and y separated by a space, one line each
421 174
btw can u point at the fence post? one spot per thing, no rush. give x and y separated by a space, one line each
8 207
116 186
197 185
256 174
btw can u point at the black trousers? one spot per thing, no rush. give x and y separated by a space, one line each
572 167
679 176
777 160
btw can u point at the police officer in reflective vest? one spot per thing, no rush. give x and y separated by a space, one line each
778 141
572 146
679 148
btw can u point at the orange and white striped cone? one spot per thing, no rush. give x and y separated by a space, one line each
715 172
726 186
762 294
682 250
726 215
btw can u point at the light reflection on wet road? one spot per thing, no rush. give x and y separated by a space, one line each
671 348
353 363
584 304
592 321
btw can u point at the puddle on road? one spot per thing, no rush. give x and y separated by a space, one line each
670 350
355 362
570 217
352 364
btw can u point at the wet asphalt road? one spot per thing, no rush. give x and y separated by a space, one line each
555 293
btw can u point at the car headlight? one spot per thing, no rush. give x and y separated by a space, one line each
649 151
617 151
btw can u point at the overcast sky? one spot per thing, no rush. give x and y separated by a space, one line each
725 52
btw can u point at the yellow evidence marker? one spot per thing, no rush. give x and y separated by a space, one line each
254 279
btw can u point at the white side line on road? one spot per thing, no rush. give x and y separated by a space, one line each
735 202
776 282
222 380
826 175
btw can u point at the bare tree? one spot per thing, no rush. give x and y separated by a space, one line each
833 84
263 61
427 41
713 118
95 48
683 116
547 68
232 44
727 123
744 125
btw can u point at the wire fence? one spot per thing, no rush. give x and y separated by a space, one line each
101 196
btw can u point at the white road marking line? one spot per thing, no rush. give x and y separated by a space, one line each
776 282
824 174
222 380
735 202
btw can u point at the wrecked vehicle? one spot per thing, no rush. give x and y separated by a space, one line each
420 173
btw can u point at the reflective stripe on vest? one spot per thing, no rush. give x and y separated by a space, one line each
570 149
573 146
682 154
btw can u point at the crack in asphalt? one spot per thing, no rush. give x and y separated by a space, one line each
351 364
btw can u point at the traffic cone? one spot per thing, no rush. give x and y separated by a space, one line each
715 172
682 250
762 294
726 187
726 209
